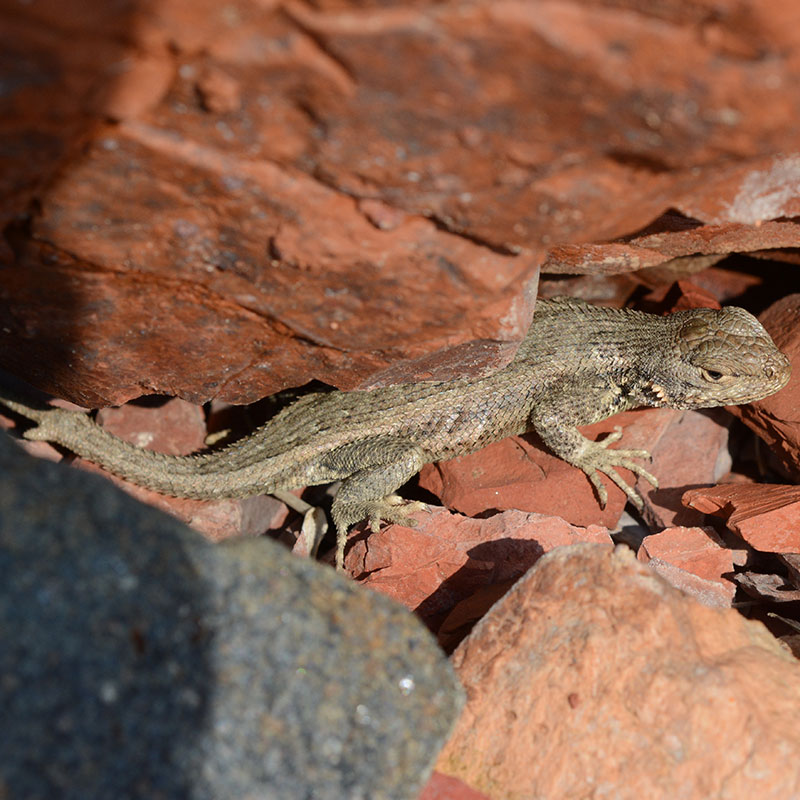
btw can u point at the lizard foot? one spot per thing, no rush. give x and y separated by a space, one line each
391 508
394 508
597 458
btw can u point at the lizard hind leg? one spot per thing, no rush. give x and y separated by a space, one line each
369 492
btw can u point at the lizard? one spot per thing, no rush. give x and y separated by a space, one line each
577 364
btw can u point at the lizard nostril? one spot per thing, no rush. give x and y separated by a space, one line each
769 371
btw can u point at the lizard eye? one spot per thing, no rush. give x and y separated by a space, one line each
711 375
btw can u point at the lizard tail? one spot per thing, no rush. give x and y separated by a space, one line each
35 414
177 476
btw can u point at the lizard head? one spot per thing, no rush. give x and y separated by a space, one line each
726 357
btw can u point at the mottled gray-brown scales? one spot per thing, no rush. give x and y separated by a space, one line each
578 364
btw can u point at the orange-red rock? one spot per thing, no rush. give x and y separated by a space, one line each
766 516
691 449
174 426
594 676
518 473
708 592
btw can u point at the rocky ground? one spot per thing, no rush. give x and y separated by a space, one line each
208 203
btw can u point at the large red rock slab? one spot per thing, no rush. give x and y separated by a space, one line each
775 418
209 307
766 516
447 557
592 675
57 67
558 180
225 199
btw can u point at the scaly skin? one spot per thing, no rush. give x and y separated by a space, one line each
578 364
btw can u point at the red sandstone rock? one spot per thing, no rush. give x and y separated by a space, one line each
516 473
693 560
766 516
448 557
593 675
174 427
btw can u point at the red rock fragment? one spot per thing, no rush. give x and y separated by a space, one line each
710 593
592 673
696 550
445 787
174 427
140 85
460 621
219 92
792 562
677 296
766 516
448 557
772 588
516 473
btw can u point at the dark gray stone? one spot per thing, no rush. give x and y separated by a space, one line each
138 660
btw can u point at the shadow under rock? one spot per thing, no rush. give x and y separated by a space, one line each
59 62
499 562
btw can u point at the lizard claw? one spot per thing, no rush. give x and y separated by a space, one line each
599 459
394 508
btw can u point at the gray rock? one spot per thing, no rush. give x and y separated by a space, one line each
138 660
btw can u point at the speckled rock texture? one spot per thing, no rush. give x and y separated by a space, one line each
140 661
592 677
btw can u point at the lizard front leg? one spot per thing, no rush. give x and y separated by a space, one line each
556 420
376 468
